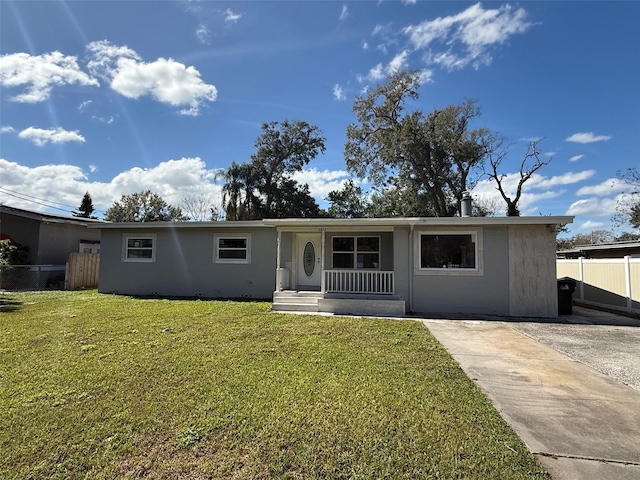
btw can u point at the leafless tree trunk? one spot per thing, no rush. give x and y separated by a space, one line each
530 164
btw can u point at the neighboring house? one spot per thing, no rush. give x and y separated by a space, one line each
604 250
382 266
49 237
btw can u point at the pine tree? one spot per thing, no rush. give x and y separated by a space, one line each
86 207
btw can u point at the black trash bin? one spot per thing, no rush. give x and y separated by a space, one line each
566 287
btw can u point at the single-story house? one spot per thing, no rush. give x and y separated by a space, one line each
48 236
372 266
603 250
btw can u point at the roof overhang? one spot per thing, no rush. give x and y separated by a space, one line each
175 225
350 223
49 218
418 221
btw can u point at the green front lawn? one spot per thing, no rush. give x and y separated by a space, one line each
99 386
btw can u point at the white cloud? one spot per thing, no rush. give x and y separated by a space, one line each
106 120
165 80
231 17
536 189
40 74
7 129
467 38
365 46
594 207
66 184
344 14
338 93
587 137
375 74
409 2
41 137
611 186
568 178
203 34
84 105
397 63
321 182
575 158
93 168
591 225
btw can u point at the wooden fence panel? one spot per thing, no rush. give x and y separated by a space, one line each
82 270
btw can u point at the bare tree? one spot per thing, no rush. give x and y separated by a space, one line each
628 204
199 208
530 164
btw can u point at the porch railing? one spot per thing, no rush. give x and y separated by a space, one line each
359 281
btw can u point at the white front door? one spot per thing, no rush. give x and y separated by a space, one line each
309 260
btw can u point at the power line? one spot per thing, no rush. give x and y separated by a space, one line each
39 201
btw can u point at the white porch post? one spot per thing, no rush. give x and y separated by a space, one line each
322 281
278 260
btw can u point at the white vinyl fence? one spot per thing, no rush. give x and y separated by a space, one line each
612 282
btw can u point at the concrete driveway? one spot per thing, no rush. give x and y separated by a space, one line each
570 388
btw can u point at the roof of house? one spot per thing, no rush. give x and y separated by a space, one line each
48 217
617 246
351 222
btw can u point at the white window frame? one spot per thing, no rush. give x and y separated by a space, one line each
125 247
355 251
216 248
477 236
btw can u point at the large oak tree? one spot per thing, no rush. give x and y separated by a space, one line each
435 155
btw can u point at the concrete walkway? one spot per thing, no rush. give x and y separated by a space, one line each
580 423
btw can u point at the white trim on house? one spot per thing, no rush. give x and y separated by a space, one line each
126 248
355 252
478 271
247 248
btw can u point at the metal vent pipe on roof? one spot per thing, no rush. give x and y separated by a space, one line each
466 209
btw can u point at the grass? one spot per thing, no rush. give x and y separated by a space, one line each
99 386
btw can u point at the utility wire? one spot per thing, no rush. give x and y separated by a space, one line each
40 201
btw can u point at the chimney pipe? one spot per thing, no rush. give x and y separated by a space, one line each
465 204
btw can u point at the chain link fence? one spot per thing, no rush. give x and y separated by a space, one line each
32 277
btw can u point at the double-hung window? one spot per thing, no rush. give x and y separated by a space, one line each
356 252
455 250
139 248
232 249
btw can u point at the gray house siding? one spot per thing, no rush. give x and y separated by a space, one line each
24 231
487 293
49 237
57 240
185 264
402 261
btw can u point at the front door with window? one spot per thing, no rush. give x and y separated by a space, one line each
309 260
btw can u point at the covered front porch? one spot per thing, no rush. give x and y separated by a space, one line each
337 269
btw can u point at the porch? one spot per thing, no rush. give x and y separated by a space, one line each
342 270
342 292
338 304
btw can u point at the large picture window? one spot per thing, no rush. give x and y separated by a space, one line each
139 248
356 252
232 249
448 250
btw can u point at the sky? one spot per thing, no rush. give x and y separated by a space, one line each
116 97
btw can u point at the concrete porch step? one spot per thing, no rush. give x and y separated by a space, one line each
294 307
293 299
